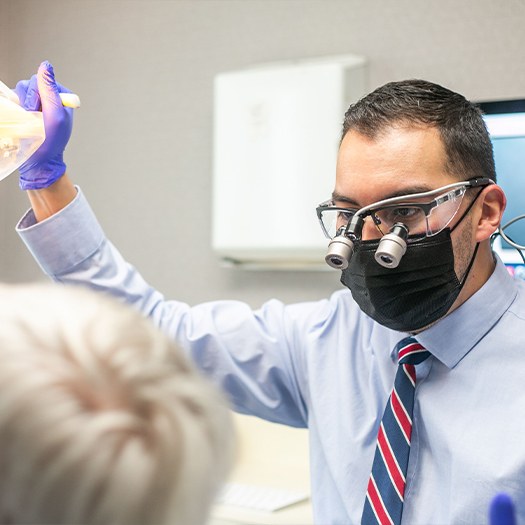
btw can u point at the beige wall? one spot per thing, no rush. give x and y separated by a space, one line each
142 142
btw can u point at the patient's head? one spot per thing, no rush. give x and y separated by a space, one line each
102 419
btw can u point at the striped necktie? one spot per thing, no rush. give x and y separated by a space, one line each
386 486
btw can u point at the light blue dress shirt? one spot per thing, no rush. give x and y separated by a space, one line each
325 365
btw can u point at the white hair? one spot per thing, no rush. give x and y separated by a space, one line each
103 420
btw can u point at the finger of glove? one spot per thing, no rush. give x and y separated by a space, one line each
63 89
21 90
28 94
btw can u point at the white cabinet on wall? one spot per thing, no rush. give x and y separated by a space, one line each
277 128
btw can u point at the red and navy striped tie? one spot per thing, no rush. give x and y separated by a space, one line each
386 486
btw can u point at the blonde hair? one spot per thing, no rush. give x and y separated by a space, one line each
102 418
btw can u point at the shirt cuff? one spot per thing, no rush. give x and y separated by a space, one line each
64 240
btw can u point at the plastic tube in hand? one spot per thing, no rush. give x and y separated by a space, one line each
69 100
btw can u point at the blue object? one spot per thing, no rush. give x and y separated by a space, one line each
41 92
502 510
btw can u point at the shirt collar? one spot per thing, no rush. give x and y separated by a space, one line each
456 334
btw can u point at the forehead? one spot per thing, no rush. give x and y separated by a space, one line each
400 160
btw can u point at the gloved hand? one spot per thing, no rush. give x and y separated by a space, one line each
41 92
502 510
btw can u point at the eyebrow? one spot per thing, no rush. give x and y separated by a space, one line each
405 191
341 198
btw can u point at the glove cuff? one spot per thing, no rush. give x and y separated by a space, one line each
41 177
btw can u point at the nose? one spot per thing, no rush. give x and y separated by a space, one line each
370 231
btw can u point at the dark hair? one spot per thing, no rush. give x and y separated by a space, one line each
418 102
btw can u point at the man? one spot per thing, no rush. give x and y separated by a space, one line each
415 168
102 417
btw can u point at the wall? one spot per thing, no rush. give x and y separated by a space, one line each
142 142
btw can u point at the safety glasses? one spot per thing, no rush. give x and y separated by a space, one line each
426 213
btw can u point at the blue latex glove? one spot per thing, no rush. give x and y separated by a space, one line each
41 92
502 510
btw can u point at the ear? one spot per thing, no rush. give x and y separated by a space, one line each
493 202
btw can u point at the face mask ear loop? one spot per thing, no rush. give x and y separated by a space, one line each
477 244
469 267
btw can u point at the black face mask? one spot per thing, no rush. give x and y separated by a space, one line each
417 293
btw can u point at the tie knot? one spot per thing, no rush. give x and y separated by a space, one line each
409 351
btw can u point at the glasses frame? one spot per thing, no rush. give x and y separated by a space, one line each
368 211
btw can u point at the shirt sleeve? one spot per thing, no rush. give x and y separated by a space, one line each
255 356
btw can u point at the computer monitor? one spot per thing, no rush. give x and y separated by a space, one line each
505 121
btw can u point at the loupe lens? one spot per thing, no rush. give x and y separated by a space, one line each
340 252
392 247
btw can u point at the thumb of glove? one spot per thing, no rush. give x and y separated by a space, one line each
48 88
